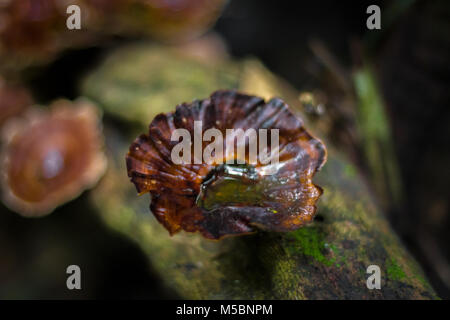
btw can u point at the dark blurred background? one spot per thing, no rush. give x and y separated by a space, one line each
411 58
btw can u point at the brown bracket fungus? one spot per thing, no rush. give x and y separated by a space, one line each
50 157
221 198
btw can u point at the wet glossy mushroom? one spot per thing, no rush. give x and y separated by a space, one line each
219 199
50 157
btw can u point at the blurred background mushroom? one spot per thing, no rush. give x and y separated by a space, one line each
14 99
50 157
33 31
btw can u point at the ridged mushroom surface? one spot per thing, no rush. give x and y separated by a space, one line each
219 198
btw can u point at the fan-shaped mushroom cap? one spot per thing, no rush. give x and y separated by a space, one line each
50 157
222 199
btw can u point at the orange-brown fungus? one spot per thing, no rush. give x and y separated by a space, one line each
51 157
228 199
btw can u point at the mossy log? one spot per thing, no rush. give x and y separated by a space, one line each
327 259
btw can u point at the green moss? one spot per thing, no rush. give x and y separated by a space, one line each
394 272
422 280
310 242
337 253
